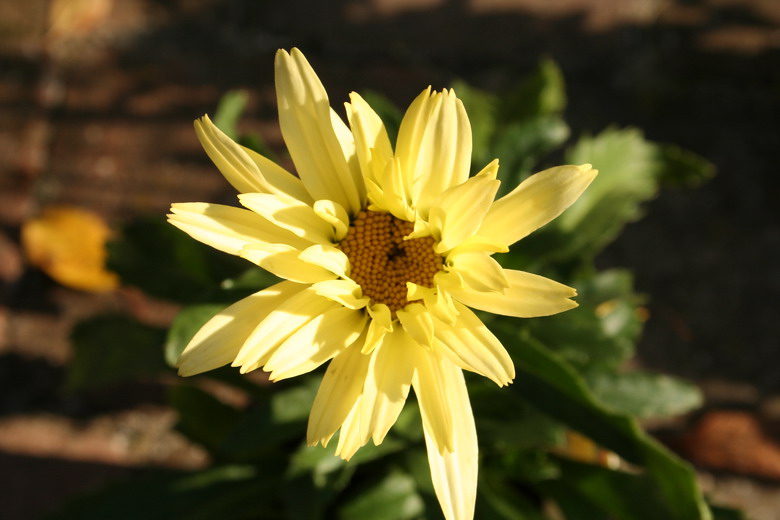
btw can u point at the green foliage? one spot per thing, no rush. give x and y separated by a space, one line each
236 491
113 349
519 128
644 395
166 263
570 367
229 111
184 327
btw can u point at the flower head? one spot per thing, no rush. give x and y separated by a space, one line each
383 250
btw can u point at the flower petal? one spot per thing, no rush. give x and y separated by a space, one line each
430 386
393 196
316 342
434 145
350 439
457 213
338 393
281 323
335 215
471 345
387 384
372 144
227 228
381 323
479 271
535 202
278 180
245 169
218 341
346 292
307 125
290 214
417 322
454 473
327 257
529 295
284 261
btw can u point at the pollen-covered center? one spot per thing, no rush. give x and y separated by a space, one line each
381 261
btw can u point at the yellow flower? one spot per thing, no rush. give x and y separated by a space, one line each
383 251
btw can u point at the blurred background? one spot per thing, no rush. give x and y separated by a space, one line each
97 99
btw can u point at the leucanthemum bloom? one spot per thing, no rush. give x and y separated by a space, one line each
383 250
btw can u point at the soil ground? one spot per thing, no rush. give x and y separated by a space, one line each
97 111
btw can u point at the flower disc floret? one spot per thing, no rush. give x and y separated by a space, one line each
382 260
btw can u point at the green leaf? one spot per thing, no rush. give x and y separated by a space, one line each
278 418
599 334
543 93
202 417
644 395
167 263
628 171
585 491
229 110
551 385
387 110
497 499
727 513
683 168
113 349
185 325
393 498
236 492
522 144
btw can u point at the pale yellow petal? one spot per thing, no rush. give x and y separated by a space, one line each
227 228
316 342
307 127
529 295
350 438
277 180
535 202
338 393
372 144
381 323
393 197
410 136
281 323
471 345
284 261
454 473
417 322
217 343
327 257
430 386
335 215
231 160
457 213
387 384
344 291
479 271
444 153
437 301
291 214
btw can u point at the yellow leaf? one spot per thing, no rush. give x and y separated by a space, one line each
69 244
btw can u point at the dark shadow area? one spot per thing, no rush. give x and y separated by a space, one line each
22 476
32 385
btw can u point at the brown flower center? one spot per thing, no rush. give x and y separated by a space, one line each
382 261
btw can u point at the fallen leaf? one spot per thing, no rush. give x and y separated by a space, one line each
69 244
